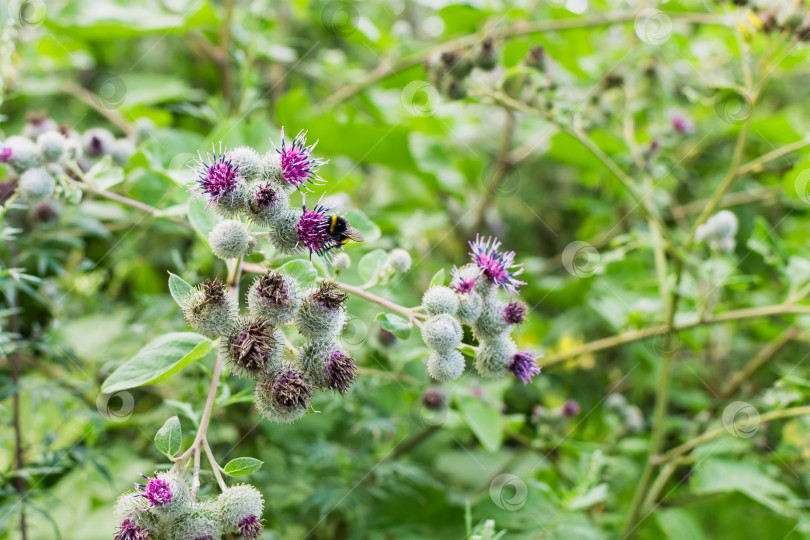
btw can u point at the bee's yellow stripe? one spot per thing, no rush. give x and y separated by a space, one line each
332 223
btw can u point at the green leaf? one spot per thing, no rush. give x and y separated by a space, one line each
595 495
178 288
484 420
201 219
158 360
719 476
362 223
469 350
108 178
399 326
437 280
242 466
679 523
371 264
300 269
169 437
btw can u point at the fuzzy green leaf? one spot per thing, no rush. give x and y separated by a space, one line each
399 326
201 219
371 264
242 466
437 280
484 420
300 269
179 288
169 437
158 360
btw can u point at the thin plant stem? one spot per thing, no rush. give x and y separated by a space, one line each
716 432
632 336
214 465
138 205
200 439
662 389
793 332
386 69
16 364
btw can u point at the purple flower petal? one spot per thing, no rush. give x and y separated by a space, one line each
499 268
524 366
217 176
297 164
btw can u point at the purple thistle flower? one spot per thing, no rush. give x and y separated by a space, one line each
682 123
570 408
313 232
156 491
329 296
434 399
459 283
217 176
250 527
515 312
496 266
340 369
129 530
265 196
290 390
524 366
297 164
5 154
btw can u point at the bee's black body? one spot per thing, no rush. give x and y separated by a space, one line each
340 230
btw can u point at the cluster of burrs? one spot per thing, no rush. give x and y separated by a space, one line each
241 183
163 509
38 158
472 299
253 346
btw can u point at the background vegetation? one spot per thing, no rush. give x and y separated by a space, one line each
674 379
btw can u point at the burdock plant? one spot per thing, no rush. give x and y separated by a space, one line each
253 194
